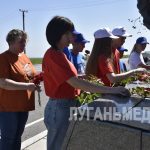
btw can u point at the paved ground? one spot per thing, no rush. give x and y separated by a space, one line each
35 130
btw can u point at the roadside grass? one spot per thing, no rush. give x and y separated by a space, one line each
125 56
36 60
39 60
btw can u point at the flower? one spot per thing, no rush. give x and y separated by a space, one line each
38 78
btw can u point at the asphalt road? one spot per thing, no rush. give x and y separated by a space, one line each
35 124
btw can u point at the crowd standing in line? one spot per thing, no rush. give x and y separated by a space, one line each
16 90
61 82
61 68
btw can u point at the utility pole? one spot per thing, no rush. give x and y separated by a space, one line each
23 19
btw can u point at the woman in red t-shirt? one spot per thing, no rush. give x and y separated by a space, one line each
16 90
61 82
103 59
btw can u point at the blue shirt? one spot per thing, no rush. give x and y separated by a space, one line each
78 60
122 66
68 53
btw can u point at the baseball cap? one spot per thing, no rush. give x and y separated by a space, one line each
122 49
104 32
120 31
80 39
141 40
76 32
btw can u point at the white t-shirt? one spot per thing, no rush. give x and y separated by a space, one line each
135 59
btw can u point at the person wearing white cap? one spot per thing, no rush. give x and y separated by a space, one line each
122 34
136 58
100 62
120 31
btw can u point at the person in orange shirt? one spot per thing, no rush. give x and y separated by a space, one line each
102 63
61 81
16 91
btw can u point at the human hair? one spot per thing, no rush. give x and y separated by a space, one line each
102 46
135 47
56 27
15 34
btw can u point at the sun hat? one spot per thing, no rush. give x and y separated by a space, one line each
120 31
103 33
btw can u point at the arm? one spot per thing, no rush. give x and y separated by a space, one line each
118 77
9 84
93 88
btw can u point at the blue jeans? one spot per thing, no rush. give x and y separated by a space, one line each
12 125
56 119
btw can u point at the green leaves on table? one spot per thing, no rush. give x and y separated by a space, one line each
141 91
87 97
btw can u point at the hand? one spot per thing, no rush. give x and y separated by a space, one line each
121 90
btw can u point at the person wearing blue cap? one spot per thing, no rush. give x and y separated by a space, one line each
136 58
121 50
66 50
76 56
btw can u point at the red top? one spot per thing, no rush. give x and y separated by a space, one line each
116 57
57 70
104 68
108 66
20 69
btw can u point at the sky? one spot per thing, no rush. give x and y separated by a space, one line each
87 16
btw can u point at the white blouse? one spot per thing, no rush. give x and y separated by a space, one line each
135 59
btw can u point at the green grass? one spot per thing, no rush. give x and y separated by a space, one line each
39 60
36 60
125 56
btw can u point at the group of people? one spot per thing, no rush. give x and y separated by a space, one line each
61 68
